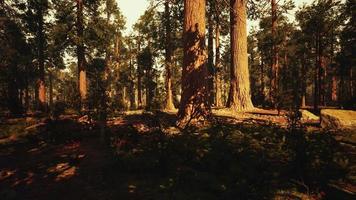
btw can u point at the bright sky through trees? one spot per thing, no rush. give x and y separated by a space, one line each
133 9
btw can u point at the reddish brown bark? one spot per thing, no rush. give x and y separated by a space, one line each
239 95
194 105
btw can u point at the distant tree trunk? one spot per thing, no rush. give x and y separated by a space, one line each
14 103
149 90
132 87
262 77
218 95
50 89
194 104
41 62
275 56
239 95
334 89
352 84
139 81
169 95
27 92
211 54
303 82
317 73
81 55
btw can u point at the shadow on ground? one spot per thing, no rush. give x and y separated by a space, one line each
137 160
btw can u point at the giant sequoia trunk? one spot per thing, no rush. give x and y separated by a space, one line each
239 95
81 55
194 104
169 95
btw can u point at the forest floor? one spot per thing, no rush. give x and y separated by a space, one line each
142 155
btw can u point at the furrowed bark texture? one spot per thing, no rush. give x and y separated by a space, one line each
194 101
239 95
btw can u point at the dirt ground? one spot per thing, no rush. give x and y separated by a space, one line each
142 155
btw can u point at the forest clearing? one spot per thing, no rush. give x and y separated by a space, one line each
192 99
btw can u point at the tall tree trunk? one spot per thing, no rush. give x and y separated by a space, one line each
218 95
262 85
81 55
317 75
303 82
132 83
352 83
211 53
334 89
169 95
275 56
50 90
239 95
194 104
139 80
41 62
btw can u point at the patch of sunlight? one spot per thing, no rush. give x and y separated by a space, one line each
58 168
282 195
141 127
132 188
66 174
5 173
27 180
171 130
63 171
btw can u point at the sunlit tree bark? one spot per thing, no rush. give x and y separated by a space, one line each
194 104
239 95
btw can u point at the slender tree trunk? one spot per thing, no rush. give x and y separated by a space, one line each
240 95
194 104
316 75
41 62
262 91
352 84
169 95
218 94
149 88
50 90
304 82
139 80
13 99
27 95
81 56
275 56
211 54
132 87
334 89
